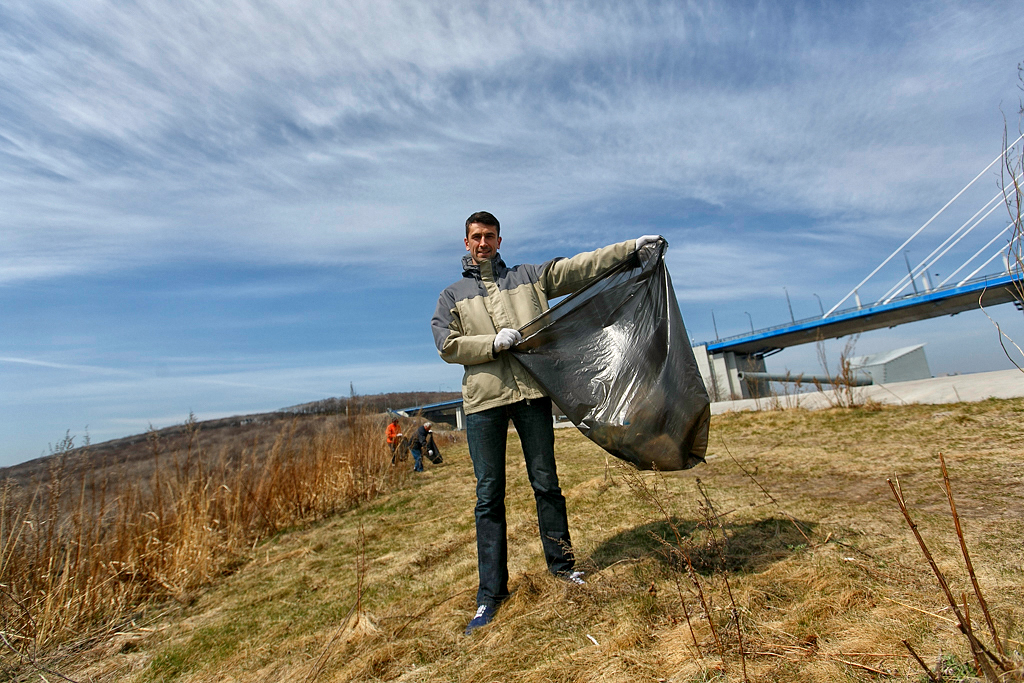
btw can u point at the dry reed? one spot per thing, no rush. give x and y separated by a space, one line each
78 553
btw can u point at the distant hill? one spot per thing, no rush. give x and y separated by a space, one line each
373 403
134 455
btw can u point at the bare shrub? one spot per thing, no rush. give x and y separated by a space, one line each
786 395
1011 173
690 551
845 393
992 659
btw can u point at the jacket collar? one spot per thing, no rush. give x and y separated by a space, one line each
471 269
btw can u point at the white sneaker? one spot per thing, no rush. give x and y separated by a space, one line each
577 578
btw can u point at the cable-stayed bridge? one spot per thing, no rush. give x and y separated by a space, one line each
985 275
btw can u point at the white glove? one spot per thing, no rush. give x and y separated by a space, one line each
506 339
647 239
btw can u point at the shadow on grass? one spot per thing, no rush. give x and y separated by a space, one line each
750 548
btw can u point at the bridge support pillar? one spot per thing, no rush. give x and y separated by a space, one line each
720 372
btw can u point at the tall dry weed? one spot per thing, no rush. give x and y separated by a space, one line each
994 659
1012 171
845 392
78 552
786 395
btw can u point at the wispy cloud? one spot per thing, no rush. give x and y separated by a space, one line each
184 151
65 366
201 125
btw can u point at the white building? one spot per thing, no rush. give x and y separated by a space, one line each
898 365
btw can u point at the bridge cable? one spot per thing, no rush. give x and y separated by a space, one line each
927 261
990 259
919 230
976 255
921 267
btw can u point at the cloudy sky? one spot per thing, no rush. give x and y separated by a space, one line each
234 206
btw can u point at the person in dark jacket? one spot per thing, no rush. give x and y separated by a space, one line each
420 441
475 324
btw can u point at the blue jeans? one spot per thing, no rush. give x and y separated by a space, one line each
487 432
417 460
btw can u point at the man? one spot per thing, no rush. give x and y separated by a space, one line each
475 325
420 441
393 434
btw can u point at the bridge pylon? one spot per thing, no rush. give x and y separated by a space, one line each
722 372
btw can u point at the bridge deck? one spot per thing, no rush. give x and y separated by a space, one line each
992 290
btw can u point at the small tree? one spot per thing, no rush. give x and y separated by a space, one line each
1011 181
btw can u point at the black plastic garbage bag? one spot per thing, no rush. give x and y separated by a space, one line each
616 359
432 452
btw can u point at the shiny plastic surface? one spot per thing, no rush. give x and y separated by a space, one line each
615 357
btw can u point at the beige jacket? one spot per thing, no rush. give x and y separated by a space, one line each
492 296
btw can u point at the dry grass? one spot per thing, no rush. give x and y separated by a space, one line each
82 550
825 579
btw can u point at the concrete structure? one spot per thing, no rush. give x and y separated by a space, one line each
722 374
736 376
936 390
898 365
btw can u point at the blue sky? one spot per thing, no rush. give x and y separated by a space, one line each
231 207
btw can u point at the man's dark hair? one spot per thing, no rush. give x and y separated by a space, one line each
483 218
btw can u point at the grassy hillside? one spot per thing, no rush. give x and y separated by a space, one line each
131 456
792 516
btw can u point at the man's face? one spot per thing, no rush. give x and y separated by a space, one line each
482 242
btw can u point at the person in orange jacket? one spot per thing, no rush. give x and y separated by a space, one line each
393 435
